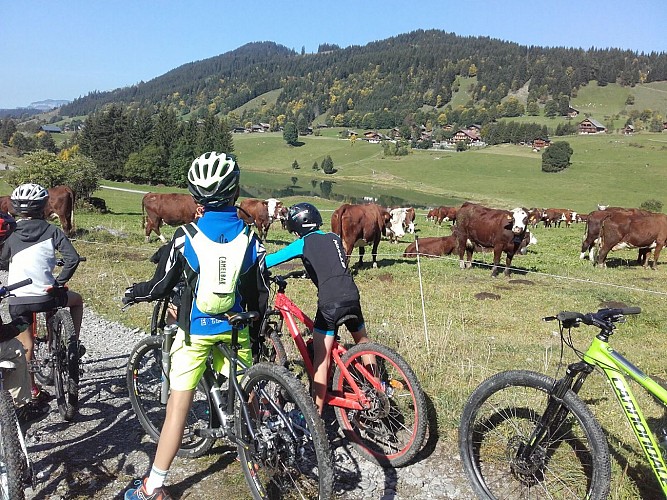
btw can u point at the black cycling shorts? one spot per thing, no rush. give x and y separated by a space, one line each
25 311
327 316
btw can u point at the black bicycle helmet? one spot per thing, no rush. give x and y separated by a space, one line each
303 218
7 226
213 179
29 200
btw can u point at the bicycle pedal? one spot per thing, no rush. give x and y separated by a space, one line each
209 433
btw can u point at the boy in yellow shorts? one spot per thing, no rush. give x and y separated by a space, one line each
213 181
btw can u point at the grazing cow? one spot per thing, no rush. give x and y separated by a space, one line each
501 230
173 209
432 214
535 216
432 247
448 214
358 226
60 205
644 231
594 223
555 216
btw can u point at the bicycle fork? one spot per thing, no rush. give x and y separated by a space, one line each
555 413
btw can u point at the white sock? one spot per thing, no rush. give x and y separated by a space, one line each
155 479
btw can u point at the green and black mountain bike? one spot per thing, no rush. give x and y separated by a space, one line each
526 435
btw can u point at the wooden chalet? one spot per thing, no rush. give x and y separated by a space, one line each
466 136
51 129
629 129
540 143
591 126
572 112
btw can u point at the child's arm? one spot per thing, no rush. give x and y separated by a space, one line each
291 251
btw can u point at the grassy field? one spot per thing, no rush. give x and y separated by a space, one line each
610 169
471 325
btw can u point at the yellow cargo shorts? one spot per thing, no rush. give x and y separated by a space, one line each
188 359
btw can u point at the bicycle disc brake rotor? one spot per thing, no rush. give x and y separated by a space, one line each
527 470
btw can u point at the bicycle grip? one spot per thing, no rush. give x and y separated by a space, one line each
630 310
18 284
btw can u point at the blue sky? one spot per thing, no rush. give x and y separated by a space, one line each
63 50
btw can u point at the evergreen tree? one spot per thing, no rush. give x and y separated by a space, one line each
290 133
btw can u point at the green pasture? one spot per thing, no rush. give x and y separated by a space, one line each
470 326
608 168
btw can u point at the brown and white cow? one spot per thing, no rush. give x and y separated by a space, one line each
401 221
594 223
646 231
173 209
358 226
501 230
276 210
555 216
256 213
432 247
60 205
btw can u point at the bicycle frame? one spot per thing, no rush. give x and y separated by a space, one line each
615 368
290 313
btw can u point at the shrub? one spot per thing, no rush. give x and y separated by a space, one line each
652 205
556 157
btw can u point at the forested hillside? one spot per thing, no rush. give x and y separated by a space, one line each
381 83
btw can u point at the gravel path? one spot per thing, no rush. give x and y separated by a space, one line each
104 448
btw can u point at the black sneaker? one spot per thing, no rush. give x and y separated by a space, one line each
40 395
32 412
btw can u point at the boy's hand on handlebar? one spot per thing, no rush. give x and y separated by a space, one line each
128 296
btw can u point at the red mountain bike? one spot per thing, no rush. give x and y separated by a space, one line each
381 408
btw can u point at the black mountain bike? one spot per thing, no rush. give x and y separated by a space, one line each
263 409
57 353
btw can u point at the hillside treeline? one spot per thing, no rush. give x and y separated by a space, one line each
382 82
152 149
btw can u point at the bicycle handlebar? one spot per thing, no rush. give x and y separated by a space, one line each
603 318
61 262
301 273
6 289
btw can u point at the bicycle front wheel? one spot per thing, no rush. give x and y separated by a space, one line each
289 457
144 385
271 349
65 352
570 461
392 429
13 467
159 315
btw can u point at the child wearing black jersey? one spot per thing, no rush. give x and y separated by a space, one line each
325 261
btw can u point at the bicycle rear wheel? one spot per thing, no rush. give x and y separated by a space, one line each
391 431
289 457
42 364
571 461
65 352
13 466
144 385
